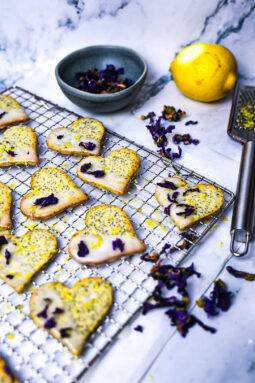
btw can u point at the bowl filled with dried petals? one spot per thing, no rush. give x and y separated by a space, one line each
102 78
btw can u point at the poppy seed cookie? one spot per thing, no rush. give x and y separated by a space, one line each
53 191
71 314
11 111
82 137
6 376
112 173
108 235
5 207
22 257
18 146
187 204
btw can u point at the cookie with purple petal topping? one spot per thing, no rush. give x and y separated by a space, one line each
83 137
22 257
53 191
108 235
187 204
112 173
11 112
18 146
72 314
5 207
6 375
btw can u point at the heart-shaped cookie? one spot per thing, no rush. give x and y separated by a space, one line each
11 111
71 314
53 191
18 146
22 257
5 207
112 173
108 235
82 137
187 204
6 376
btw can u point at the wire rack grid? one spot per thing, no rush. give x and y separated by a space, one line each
32 352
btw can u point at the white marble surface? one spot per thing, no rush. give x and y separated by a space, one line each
34 35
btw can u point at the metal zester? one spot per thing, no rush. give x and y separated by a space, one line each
242 219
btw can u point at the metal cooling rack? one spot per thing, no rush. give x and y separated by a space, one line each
33 353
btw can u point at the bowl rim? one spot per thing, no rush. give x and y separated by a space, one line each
77 92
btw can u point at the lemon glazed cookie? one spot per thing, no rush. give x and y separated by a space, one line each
71 314
11 111
6 376
112 173
53 191
108 235
18 146
5 207
22 257
82 137
187 204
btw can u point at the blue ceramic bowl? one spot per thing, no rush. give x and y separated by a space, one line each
98 56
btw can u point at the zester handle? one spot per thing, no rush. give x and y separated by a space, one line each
242 219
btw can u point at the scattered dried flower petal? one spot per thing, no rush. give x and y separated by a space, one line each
46 201
107 80
83 249
118 244
138 328
250 277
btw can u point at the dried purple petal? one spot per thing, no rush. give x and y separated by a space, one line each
193 190
183 321
65 332
118 244
11 153
167 209
50 323
58 310
168 185
190 122
7 255
177 155
169 113
96 173
88 145
149 116
188 210
174 276
187 241
60 136
165 247
138 328
83 249
86 167
241 274
150 257
186 139
219 299
44 312
46 201
222 296
173 197
209 306
2 114
3 240
107 80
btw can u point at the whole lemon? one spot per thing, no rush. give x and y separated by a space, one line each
204 72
